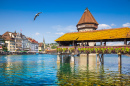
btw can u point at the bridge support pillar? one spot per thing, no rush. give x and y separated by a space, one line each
58 58
119 62
102 57
72 59
98 59
87 59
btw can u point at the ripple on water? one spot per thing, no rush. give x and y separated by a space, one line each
44 70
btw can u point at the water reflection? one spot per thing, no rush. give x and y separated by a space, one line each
27 70
83 72
45 70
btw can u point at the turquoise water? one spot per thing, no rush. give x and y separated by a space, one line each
44 70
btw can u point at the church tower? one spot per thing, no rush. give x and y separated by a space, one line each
87 22
44 43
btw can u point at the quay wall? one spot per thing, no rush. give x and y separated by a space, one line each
17 53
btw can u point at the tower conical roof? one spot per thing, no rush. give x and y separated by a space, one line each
87 17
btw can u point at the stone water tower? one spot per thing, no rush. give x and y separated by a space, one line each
87 23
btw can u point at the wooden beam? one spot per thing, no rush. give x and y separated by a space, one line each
101 43
87 44
73 43
125 41
105 43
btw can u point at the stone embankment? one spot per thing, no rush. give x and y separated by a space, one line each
52 51
17 53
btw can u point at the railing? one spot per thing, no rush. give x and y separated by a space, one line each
124 49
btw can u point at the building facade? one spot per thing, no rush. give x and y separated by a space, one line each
33 44
25 44
9 41
1 43
41 47
18 42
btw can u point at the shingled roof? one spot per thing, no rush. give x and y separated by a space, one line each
7 37
32 40
116 33
87 17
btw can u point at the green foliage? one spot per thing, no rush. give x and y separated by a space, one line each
65 50
86 50
127 49
118 50
103 50
59 50
5 48
71 50
96 50
110 50
79 50
82 49
53 47
40 50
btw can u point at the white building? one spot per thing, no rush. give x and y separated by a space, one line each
25 44
33 44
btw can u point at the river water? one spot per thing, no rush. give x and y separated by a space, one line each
43 69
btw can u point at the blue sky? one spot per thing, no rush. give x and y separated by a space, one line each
59 16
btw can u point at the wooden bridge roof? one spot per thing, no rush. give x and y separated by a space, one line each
106 34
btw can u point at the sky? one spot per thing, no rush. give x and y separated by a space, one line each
59 16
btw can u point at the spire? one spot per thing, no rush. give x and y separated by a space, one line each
43 40
15 31
87 17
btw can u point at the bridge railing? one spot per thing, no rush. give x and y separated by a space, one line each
125 49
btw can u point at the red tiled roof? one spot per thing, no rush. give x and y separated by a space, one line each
7 37
32 40
87 17
40 44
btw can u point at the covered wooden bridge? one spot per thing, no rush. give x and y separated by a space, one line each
78 43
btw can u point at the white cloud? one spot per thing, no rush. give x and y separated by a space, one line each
37 33
70 28
60 33
114 44
113 25
126 25
104 26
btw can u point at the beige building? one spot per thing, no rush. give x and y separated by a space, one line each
1 43
41 47
13 41
9 41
